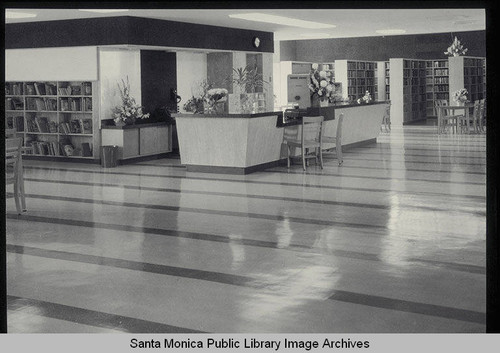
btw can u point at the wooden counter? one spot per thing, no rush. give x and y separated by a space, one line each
245 143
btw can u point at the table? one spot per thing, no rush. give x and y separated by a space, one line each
453 108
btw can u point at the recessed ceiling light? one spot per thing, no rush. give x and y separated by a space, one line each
315 35
10 14
104 10
281 20
391 31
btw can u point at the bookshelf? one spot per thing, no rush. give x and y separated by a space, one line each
383 81
437 78
356 77
56 119
299 67
407 85
469 73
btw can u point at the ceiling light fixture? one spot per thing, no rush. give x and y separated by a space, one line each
281 20
103 10
391 31
10 14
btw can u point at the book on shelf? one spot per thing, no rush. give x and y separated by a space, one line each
75 104
87 88
50 104
87 104
63 104
53 127
39 88
76 90
19 122
64 91
43 124
30 89
86 149
86 126
50 89
31 124
75 127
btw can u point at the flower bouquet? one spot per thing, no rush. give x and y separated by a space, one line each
320 84
367 98
456 48
214 100
129 110
460 96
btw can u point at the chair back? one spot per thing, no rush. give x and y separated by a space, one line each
13 148
312 128
441 103
477 110
482 108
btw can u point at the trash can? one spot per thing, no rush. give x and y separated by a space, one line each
109 156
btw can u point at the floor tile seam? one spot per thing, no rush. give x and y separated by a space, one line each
384 146
353 255
143 267
381 154
205 211
108 172
252 215
446 312
478 213
414 162
94 318
330 187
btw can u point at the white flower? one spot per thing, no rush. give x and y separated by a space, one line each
323 83
314 66
322 74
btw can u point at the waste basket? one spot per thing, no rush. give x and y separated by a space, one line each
109 156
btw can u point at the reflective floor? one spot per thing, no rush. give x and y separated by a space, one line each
392 241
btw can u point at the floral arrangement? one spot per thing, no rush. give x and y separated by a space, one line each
456 49
129 110
195 104
320 84
214 96
367 98
460 95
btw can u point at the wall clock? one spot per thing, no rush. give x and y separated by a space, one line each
256 42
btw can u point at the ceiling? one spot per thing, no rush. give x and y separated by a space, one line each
348 22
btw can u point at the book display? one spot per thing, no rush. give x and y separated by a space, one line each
55 119
357 77
407 90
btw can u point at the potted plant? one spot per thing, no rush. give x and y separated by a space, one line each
248 80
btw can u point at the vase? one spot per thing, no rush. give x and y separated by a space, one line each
315 102
323 103
120 123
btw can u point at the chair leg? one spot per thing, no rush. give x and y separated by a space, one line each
303 158
320 157
288 155
21 192
16 196
339 153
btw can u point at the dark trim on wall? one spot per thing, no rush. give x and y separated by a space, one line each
128 30
416 46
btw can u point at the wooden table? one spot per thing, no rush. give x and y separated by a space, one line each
453 108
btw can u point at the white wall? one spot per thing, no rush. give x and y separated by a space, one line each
191 70
115 65
51 64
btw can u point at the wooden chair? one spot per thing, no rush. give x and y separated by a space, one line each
386 120
482 115
311 138
337 140
14 171
465 125
445 119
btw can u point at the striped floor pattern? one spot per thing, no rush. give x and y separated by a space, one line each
392 241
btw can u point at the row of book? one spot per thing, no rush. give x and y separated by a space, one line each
13 88
14 104
80 126
40 89
62 148
75 104
45 125
41 104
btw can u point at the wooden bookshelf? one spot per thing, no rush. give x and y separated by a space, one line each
469 73
50 116
407 90
357 77
437 83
